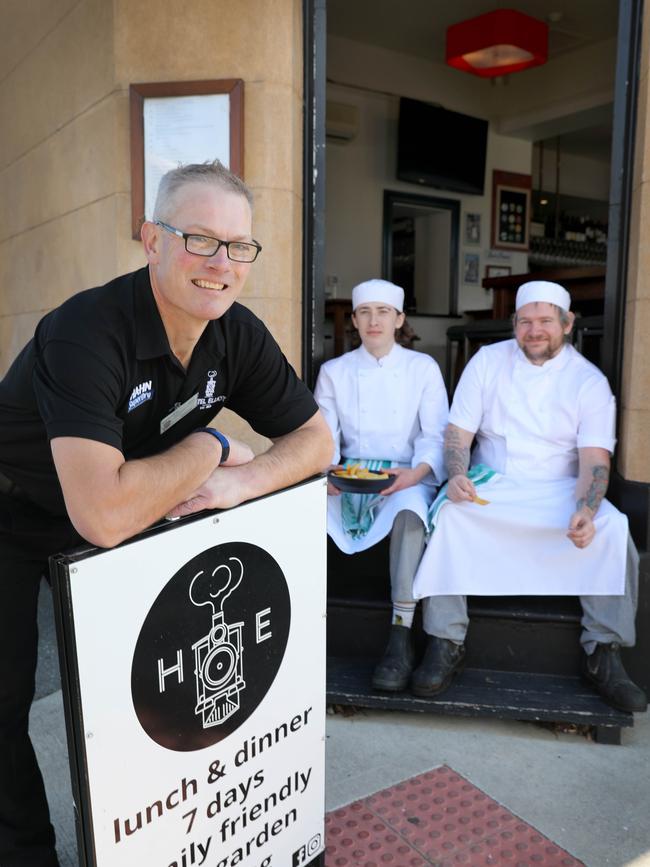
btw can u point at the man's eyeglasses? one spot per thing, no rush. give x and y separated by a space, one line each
202 245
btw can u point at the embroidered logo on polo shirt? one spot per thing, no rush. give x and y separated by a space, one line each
140 394
209 399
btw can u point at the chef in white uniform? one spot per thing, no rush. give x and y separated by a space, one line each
387 408
544 420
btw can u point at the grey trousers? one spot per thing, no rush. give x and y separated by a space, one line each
406 548
604 618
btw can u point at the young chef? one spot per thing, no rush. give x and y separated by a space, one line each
387 408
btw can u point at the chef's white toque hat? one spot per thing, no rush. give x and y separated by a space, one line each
543 290
379 291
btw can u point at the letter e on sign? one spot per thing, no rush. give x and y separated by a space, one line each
261 624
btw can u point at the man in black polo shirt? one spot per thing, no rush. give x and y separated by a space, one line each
104 429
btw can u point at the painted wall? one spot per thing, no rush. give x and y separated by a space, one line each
579 176
358 173
431 276
540 100
360 170
65 70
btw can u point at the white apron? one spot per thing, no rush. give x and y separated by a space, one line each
517 544
416 498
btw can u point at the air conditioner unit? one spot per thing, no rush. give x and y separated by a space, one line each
341 121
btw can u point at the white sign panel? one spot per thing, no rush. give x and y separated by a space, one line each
183 129
200 655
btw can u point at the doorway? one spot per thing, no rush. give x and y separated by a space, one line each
420 241
350 76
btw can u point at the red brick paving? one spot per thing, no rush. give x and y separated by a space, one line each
440 819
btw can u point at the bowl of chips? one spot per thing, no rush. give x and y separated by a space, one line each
356 479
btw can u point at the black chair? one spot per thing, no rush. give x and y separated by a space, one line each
588 337
468 339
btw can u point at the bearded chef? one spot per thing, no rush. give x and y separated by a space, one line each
387 408
530 500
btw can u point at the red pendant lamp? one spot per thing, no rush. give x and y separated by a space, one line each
497 43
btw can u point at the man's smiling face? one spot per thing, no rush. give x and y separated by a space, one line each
195 288
539 331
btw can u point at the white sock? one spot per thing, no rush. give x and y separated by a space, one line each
403 614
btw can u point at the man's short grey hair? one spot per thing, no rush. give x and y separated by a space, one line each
203 173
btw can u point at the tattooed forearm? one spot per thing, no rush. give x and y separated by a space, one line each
597 489
456 453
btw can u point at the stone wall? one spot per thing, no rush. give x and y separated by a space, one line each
634 404
65 71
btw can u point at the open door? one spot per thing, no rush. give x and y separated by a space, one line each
358 610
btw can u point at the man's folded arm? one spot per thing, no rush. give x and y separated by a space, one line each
303 452
110 499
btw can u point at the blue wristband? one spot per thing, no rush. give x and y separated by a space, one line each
225 445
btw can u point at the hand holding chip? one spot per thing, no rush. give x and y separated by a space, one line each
581 528
460 489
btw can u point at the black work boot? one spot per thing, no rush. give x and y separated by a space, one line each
604 669
393 671
442 660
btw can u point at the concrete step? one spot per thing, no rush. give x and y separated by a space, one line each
527 635
485 693
512 633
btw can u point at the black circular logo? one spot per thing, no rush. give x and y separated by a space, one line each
210 646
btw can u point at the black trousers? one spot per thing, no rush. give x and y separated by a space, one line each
27 536
26 834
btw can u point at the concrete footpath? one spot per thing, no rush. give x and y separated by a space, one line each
591 799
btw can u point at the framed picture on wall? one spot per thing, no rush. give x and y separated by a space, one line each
498 270
178 122
471 263
472 228
511 194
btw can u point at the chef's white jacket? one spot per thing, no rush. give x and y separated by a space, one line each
393 408
529 420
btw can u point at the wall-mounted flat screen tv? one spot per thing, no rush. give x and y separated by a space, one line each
441 148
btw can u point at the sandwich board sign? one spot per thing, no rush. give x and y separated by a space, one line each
193 670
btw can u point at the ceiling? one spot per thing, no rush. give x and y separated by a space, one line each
418 27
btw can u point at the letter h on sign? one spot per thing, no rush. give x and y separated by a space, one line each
163 672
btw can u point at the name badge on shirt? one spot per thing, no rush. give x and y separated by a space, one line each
178 413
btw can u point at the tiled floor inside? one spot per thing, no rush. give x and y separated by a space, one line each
437 818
